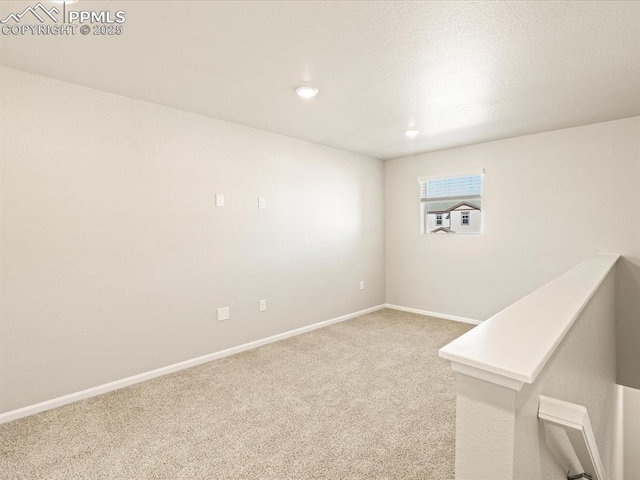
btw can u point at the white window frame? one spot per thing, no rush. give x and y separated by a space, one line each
465 214
422 181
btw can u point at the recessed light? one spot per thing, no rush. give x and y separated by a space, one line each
412 132
306 92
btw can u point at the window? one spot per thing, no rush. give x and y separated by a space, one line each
445 198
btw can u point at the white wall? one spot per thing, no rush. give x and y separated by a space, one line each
543 196
631 433
114 258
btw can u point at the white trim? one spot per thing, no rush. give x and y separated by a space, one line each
490 377
125 382
434 314
574 419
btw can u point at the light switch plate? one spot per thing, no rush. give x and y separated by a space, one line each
223 314
262 202
219 200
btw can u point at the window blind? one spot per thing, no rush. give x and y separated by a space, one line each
462 186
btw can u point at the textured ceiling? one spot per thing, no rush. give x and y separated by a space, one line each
461 72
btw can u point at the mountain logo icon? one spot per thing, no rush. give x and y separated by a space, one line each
38 11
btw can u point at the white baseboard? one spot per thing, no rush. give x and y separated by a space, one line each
125 382
434 314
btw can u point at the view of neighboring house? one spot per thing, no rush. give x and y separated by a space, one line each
451 204
454 215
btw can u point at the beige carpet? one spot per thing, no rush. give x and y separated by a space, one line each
364 399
